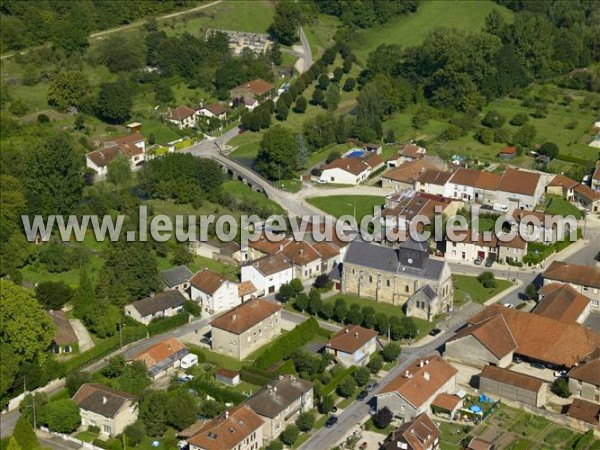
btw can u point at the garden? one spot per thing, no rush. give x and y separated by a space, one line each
472 288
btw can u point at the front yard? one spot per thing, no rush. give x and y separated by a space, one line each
467 287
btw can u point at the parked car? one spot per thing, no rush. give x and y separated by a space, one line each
331 421
372 411
500 207
478 261
489 262
508 305
538 365
362 395
560 373
370 387
517 360
435 332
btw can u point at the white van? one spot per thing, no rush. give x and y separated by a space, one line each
500 208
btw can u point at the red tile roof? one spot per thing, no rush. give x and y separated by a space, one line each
506 376
508 151
418 434
180 113
519 182
245 288
159 352
573 273
127 143
411 151
271 264
587 192
447 402
563 181
409 171
64 331
216 108
355 166
207 281
434 176
104 156
300 253
561 302
245 316
257 87
589 370
351 338
585 411
493 333
475 178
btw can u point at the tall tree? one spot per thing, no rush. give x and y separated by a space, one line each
25 435
153 413
277 154
62 415
288 17
68 88
115 101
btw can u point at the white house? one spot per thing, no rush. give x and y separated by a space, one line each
345 171
520 189
214 292
472 185
267 274
164 304
133 146
213 110
183 117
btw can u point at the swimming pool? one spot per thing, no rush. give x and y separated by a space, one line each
355 153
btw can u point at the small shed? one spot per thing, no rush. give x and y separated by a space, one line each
229 377
508 153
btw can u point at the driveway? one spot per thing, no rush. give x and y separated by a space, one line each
83 335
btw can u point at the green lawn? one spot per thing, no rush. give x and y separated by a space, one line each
452 434
227 270
223 361
162 133
86 436
467 285
410 30
370 426
339 205
37 274
244 193
559 206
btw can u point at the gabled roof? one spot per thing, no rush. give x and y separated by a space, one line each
586 192
447 402
271 264
434 176
508 151
326 250
245 288
493 333
351 338
596 175
278 395
421 380
542 338
257 87
101 399
300 253
215 108
506 376
207 281
519 182
228 430
180 113
355 166
475 178
563 181
373 160
64 331
411 151
589 370
159 302
245 316
419 434
176 276
128 143
561 302
425 294
267 246
573 273
409 171
586 411
104 156
164 350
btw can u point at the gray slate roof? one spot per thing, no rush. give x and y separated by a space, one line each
176 276
386 259
269 402
425 294
101 399
160 302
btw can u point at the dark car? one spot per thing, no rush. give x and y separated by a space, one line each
435 332
362 395
538 365
331 421
489 262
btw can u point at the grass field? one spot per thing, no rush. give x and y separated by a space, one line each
339 205
245 193
559 206
410 30
465 285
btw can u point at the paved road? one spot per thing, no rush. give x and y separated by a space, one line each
307 58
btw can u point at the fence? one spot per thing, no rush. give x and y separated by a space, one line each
66 437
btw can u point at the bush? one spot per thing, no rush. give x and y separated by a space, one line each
333 155
375 363
62 416
164 324
338 377
485 136
135 433
531 291
347 387
549 149
43 118
561 388
290 434
288 343
322 281
361 375
519 119
305 421
391 351
326 404
274 445
383 418
487 279
192 308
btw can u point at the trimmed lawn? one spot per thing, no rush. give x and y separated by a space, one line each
162 133
339 205
36 274
465 285
227 270
223 361
86 436
559 206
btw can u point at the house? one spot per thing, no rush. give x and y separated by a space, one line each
255 89
133 146
520 189
345 171
587 198
246 291
353 345
268 273
393 275
213 110
237 428
585 411
596 178
446 404
404 176
537 338
263 246
472 186
584 379
245 328
163 304
417 434
511 247
183 117
64 340
507 153
412 392
280 402
562 302
540 227
214 292
514 386
585 279
411 152
228 251
489 341
108 409
250 103
464 245
432 181
177 278
162 357
424 304
229 377
373 148
329 253
562 186
304 258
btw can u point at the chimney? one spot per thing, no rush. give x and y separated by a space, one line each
421 363
234 317
227 414
280 247
356 335
104 400
151 294
426 375
347 330
407 374
301 252
426 362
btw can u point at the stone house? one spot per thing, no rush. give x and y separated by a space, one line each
391 275
177 278
417 434
106 408
280 402
352 345
587 198
65 339
268 274
562 186
473 186
404 175
133 146
163 304
584 411
304 258
562 302
432 181
213 110
346 171
214 292
411 393
255 89
584 379
424 304
585 279
520 189
183 117
245 328
514 386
